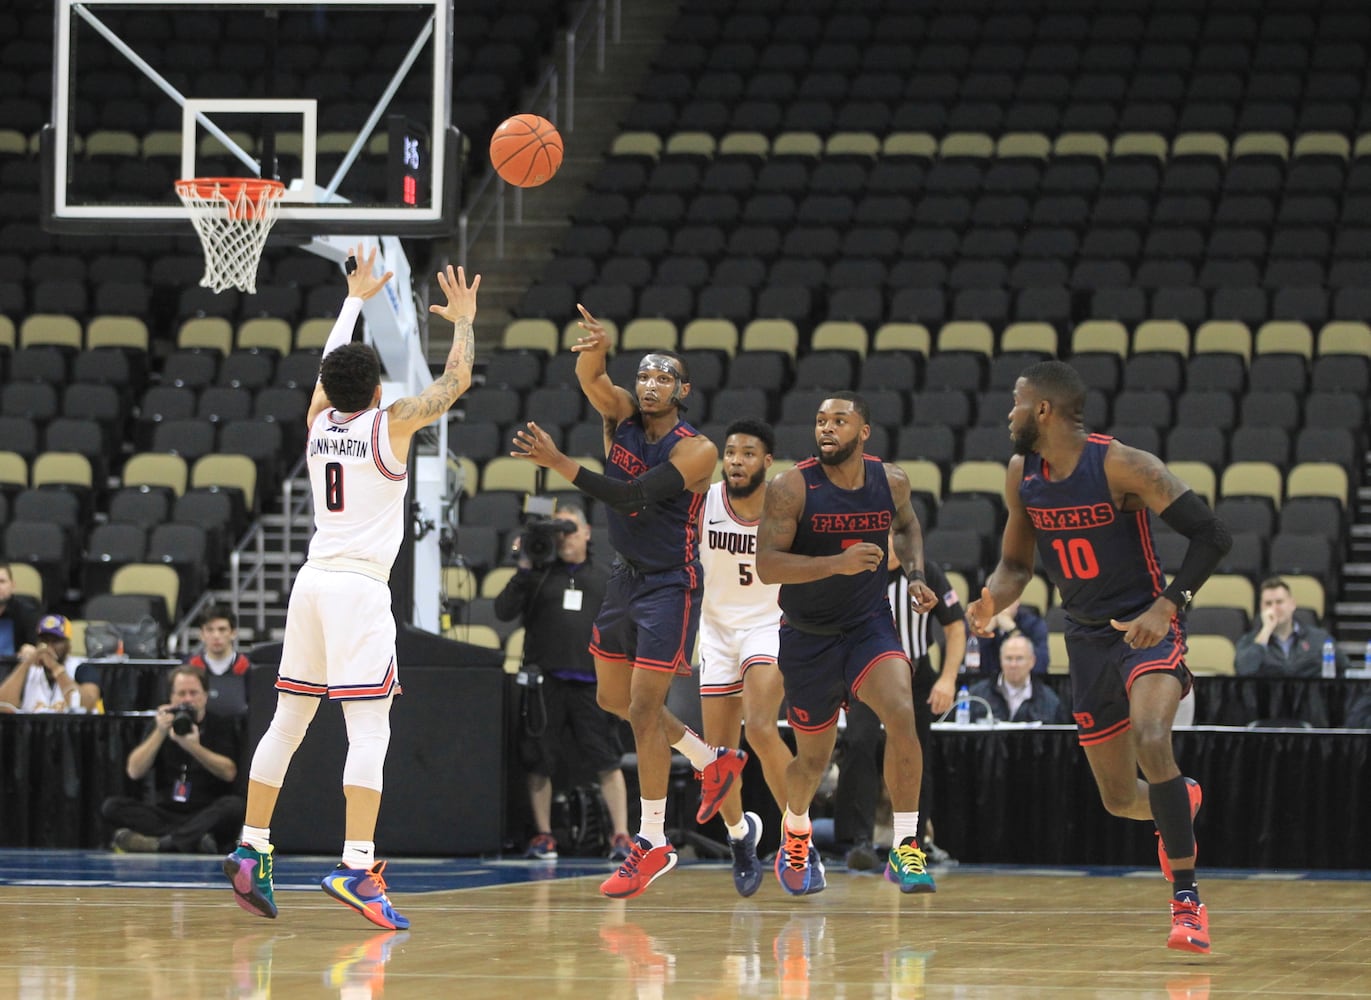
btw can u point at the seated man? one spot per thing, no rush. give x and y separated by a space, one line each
226 667
193 759
1014 695
17 616
44 680
1281 646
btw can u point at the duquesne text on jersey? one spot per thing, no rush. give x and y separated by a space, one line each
344 446
733 542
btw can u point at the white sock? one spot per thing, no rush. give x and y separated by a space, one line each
737 831
798 822
653 828
359 853
906 825
257 837
697 751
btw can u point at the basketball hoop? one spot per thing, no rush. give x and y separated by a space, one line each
232 216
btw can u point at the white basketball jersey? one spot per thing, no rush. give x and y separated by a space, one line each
734 597
359 489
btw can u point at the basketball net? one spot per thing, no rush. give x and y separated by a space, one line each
232 216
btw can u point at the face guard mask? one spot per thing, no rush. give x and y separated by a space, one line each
668 365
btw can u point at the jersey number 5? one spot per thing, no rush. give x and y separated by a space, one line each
333 485
744 574
1076 558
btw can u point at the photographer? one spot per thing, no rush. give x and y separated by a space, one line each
44 680
557 592
193 759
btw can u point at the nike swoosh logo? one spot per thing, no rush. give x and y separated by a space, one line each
719 521
815 486
339 887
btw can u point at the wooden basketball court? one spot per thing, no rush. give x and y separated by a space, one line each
130 927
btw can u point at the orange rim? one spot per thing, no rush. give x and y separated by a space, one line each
256 190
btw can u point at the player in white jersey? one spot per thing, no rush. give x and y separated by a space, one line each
739 618
340 633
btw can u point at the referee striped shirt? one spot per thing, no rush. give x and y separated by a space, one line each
914 626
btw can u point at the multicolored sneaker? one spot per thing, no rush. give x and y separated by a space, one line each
250 872
364 889
1189 927
1196 797
716 779
645 865
799 868
747 868
542 848
907 867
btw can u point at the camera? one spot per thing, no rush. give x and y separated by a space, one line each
539 539
182 719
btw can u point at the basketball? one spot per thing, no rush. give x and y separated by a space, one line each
526 150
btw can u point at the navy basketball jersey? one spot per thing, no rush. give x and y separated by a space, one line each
832 520
662 535
1101 559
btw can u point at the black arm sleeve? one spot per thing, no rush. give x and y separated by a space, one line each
661 482
1209 542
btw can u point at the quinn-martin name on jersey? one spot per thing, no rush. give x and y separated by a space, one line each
347 447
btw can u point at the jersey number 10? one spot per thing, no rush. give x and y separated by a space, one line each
1076 558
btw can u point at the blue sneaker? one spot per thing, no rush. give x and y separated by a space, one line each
747 868
364 889
250 872
798 866
907 867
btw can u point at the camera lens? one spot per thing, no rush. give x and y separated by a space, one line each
183 720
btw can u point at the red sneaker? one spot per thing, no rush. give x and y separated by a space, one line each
1196 797
1189 927
645 865
716 779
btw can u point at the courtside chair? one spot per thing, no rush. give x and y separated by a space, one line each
227 472
265 333
1100 335
1224 336
1210 654
530 335
212 333
50 328
155 470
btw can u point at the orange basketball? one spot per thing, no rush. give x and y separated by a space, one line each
526 150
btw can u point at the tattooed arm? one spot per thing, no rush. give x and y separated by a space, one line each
409 414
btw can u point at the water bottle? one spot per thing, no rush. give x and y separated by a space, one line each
963 715
1330 662
973 653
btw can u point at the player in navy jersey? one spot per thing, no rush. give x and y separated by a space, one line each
657 470
823 538
1082 500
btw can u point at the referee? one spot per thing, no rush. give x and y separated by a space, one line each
859 773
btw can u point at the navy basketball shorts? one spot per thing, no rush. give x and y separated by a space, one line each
649 619
821 672
1103 670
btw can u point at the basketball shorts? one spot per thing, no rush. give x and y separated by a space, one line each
1103 670
726 655
649 619
340 637
821 672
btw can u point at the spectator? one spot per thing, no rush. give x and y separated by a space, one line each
1012 695
1280 646
45 678
557 599
226 667
1012 619
192 757
18 617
